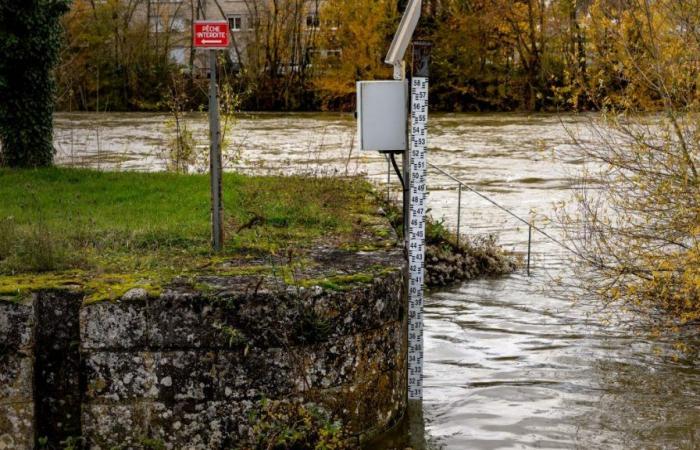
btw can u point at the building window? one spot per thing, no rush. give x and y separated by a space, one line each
235 23
156 24
178 24
178 55
312 21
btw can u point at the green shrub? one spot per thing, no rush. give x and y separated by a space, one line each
35 248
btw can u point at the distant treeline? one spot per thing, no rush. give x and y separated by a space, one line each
489 55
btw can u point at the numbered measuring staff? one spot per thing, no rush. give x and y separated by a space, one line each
381 114
416 243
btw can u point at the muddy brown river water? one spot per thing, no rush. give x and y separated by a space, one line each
508 364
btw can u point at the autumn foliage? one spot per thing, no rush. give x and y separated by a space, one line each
636 218
489 55
361 30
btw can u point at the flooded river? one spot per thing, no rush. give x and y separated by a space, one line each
509 364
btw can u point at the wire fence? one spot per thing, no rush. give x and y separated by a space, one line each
461 186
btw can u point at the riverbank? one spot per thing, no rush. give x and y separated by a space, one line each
111 232
119 327
107 277
450 260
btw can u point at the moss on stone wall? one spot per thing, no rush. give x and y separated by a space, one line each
192 367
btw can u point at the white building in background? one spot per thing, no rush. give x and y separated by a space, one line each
171 22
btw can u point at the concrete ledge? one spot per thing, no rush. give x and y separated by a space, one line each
186 369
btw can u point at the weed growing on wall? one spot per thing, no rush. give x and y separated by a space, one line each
291 424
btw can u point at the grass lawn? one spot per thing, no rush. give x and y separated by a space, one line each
110 231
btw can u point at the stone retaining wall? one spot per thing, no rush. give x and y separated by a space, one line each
185 369
17 375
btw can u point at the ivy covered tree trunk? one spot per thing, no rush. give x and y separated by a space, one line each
30 40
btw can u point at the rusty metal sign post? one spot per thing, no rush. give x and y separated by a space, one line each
214 36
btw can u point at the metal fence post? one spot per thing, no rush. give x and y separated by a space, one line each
459 212
529 244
